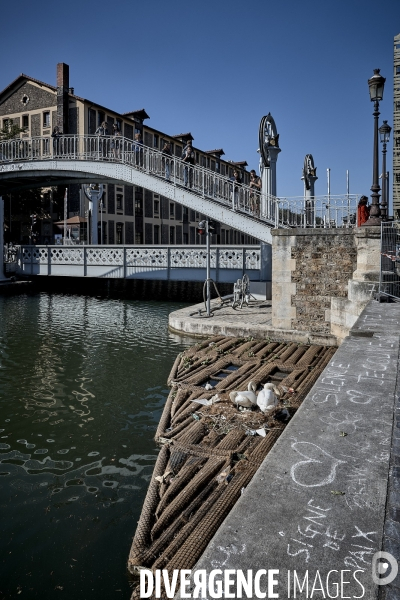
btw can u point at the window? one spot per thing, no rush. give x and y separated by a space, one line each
222 169
46 119
138 237
100 117
156 207
213 165
6 123
172 235
156 140
138 207
156 234
397 69
120 228
171 210
119 201
25 120
185 238
119 124
397 104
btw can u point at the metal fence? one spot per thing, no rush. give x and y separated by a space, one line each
389 281
318 211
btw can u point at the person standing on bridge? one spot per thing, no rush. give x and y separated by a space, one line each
102 131
56 140
362 211
138 150
167 159
116 143
255 185
188 157
236 189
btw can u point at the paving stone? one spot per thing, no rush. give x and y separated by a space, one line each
392 530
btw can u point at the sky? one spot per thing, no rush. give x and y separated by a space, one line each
216 67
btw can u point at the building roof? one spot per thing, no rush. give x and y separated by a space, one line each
139 114
23 76
218 152
241 163
183 136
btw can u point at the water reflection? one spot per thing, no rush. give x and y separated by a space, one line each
82 386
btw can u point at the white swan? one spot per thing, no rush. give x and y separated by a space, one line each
247 398
267 399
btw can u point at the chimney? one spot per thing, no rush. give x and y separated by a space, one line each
62 96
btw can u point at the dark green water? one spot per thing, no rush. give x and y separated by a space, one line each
82 387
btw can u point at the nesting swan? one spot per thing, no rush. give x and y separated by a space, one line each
247 398
267 399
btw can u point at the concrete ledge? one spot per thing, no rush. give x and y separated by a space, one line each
251 321
317 503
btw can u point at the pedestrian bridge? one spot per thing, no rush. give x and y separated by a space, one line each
45 161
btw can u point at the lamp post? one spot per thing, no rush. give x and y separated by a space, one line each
376 86
384 133
101 221
205 227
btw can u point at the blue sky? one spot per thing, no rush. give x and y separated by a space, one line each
216 67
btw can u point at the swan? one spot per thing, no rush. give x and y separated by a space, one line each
247 398
268 397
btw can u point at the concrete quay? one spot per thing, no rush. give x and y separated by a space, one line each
327 497
254 320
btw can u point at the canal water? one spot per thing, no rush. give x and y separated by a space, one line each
82 387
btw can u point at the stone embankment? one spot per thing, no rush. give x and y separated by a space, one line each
326 498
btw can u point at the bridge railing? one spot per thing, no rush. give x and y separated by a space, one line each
325 211
139 261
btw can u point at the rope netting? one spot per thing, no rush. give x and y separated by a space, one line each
210 450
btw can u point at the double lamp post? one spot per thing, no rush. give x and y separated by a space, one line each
378 214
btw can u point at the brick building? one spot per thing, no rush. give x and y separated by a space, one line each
130 214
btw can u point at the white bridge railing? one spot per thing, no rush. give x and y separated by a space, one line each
320 211
160 262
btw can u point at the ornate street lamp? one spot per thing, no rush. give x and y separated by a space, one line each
384 133
376 86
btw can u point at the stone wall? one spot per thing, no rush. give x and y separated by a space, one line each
309 267
323 278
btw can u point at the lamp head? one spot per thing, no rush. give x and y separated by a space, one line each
384 132
376 86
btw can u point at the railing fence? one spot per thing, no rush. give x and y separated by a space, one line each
319 211
389 281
